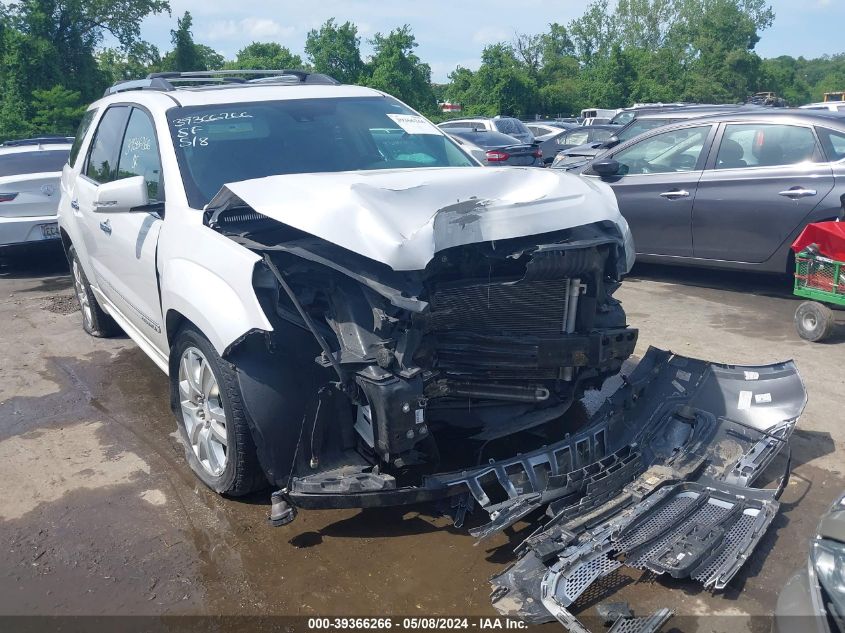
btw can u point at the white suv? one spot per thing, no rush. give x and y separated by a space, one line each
29 190
344 300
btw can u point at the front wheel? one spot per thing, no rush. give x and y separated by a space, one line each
207 401
814 321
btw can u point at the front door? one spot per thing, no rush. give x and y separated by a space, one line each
765 180
125 243
657 186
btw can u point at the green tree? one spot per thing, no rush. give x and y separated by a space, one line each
265 56
184 55
396 69
119 65
336 51
57 110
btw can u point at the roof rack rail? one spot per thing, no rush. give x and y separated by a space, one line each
167 81
38 140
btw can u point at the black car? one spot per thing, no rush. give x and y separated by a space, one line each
495 149
730 190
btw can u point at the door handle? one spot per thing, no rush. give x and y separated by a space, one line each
105 227
797 192
675 194
74 204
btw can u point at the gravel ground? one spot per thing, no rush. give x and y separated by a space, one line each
102 516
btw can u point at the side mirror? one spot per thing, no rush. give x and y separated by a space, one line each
121 196
613 141
606 168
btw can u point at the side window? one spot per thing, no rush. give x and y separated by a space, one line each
674 151
833 143
765 145
601 135
578 137
506 126
103 155
80 135
139 154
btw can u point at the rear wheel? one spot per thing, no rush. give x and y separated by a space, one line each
814 321
94 319
209 409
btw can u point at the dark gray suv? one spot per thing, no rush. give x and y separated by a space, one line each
728 191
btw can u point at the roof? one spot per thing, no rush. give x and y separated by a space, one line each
39 140
21 148
220 87
795 115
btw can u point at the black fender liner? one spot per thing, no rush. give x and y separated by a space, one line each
279 381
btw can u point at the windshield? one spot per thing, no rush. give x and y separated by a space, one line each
239 141
639 126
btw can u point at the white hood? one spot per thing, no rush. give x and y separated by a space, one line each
403 217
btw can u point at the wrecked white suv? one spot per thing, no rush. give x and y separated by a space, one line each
355 311
345 302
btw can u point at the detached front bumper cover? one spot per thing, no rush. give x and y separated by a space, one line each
660 479
685 441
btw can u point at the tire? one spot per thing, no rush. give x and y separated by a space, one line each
211 418
94 319
814 321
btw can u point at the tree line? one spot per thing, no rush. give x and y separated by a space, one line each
53 61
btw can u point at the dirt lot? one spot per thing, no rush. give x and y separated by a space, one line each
100 514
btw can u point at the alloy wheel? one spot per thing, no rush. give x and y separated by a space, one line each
202 411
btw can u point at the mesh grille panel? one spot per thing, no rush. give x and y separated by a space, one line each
660 520
708 514
738 532
579 578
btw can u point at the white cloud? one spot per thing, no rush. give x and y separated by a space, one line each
247 30
491 35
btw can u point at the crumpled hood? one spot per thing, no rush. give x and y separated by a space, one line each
401 218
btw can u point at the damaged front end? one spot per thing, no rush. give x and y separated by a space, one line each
453 368
482 354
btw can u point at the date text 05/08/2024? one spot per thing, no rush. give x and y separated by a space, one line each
414 623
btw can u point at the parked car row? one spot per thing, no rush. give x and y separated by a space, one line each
730 190
30 170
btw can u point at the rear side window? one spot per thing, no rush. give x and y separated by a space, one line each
36 162
765 145
511 126
105 149
80 135
578 137
833 143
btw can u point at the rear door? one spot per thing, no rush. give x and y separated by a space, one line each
761 183
657 186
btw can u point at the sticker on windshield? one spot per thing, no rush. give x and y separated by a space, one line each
414 124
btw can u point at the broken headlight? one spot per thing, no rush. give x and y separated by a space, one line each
828 559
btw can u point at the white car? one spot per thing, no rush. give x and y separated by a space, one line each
830 106
30 170
502 124
344 301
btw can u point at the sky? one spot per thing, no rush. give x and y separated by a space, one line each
452 33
